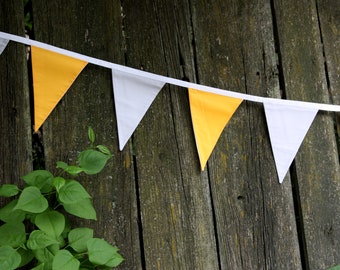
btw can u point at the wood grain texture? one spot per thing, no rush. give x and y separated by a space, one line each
178 229
318 185
329 19
152 199
94 29
255 216
15 119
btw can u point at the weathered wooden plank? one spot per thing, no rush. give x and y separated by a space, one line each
15 119
178 229
329 17
255 215
92 28
316 164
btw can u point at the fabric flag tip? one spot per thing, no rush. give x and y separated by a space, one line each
53 74
133 95
210 113
287 126
3 44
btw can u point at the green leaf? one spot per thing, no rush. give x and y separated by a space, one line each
71 192
91 135
61 241
62 165
7 214
58 182
9 258
65 260
92 161
104 149
51 222
31 200
41 179
8 190
115 260
337 267
46 255
26 256
78 238
73 170
12 234
102 253
82 209
39 240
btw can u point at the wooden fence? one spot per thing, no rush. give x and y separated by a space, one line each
153 201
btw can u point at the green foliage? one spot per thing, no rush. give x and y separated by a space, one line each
9 258
91 135
31 200
8 190
35 228
93 161
102 253
337 267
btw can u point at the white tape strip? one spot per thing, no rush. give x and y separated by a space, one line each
95 61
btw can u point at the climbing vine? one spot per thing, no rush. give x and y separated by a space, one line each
35 227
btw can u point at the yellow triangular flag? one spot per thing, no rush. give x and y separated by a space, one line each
210 113
53 74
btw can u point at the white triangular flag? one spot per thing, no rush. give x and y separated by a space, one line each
288 126
133 96
3 44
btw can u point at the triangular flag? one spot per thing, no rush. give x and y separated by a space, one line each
133 96
288 126
3 44
53 74
210 113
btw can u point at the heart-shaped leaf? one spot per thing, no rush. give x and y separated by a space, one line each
31 200
46 255
102 253
8 214
51 222
82 209
39 240
12 234
78 238
65 260
8 190
41 179
92 161
9 258
72 192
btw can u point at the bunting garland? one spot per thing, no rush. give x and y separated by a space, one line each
55 69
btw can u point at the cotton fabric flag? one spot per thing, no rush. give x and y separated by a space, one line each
288 126
210 113
133 96
53 74
3 44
